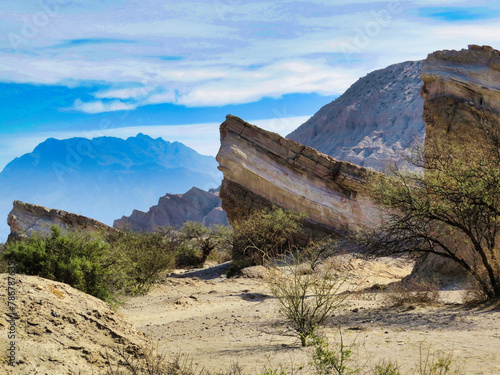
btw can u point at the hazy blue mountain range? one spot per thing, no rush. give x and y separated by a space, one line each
103 178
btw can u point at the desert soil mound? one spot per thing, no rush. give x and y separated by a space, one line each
61 330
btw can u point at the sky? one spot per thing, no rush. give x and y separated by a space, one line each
174 69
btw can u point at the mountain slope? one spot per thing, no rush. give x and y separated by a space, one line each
103 178
375 120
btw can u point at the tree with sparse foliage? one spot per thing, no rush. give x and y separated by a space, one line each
451 209
306 300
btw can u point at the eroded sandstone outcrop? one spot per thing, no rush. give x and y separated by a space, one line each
27 219
176 209
262 168
461 90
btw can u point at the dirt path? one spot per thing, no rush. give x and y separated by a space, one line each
216 321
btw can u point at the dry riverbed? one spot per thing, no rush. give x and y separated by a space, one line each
215 322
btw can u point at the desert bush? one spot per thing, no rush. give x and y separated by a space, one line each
151 361
223 236
140 258
436 363
306 300
327 360
320 249
265 234
76 259
200 242
386 369
412 291
234 269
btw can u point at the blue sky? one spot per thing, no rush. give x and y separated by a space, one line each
175 69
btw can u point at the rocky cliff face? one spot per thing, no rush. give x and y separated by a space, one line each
262 168
461 89
174 210
27 219
373 122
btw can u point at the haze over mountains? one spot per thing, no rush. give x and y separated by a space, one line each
373 122
103 178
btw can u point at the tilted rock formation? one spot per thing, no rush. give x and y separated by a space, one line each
374 122
262 168
174 210
461 89
27 219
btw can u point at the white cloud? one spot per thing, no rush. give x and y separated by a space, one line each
123 93
272 81
100 107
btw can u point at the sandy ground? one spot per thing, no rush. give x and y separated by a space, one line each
215 322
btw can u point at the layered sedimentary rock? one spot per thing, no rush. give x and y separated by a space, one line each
374 122
461 90
27 219
262 169
174 210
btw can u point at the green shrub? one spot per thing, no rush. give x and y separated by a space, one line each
117 263
199 243
265 234
140 258
327 360
234 269
74 259
387 369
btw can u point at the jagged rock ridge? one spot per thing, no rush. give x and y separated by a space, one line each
174 210
262 168
374 122
27 219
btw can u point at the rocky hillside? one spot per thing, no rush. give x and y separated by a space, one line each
373 122
174 210
103 178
